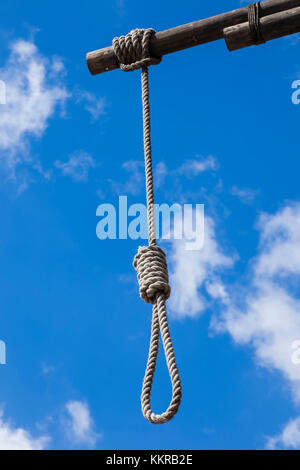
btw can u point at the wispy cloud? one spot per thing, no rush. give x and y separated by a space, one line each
190 168
47 369
134 182
95 105
34 89
246 195
79 424
12 438
160 173
192 273
262 309
193 167
172 181
289 438
77 166
265 312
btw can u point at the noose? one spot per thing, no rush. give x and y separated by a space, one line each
150 262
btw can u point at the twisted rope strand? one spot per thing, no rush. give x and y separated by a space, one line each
148 156
150 262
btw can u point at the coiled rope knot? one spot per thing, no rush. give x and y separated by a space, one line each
133 50
152 272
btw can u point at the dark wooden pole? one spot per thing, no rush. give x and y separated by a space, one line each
272 27
189 35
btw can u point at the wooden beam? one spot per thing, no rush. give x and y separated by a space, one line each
188 35
272 27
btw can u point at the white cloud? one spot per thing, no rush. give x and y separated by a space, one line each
78 427
160 173
47 368
100 193
80 424
263 311
134 182
191 168
266 313
280 243
289 438
191 271
34 89
136 175
217 290
246 195
93 104
12 438
78 166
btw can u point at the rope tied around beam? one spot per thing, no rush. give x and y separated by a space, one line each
254 23
133 52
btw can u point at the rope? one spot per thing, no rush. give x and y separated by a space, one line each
254 23
133 52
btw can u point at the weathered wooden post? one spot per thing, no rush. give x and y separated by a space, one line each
272 27
277 18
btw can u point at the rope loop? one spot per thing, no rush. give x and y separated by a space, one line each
133 50
254 23
152 272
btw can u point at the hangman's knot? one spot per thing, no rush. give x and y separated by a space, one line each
133 50
152 273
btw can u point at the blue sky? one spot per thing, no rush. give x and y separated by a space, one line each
225 134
